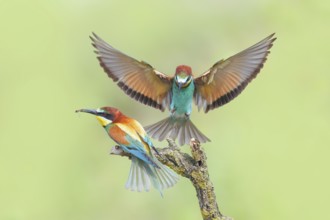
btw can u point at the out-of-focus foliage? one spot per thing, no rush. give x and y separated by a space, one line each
269 155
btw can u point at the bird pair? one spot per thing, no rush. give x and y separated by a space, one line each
225 80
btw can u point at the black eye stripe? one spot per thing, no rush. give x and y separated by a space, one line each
105 115
108 116
188 79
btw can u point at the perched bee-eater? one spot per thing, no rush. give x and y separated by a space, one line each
134 141
225 80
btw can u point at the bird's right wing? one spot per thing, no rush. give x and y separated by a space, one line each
226 79
138 79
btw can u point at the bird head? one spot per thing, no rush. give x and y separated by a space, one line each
105 115
183 76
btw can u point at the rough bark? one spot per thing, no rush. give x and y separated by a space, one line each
194 168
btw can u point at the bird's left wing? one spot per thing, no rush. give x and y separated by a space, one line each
133 136
136 128
130 141
138 79
227 78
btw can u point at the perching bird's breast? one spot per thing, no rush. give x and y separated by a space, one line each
125 134
118 135
182 99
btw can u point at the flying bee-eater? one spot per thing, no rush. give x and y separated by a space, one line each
220 84
132 139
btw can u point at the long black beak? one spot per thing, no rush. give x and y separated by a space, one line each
90 111
180 85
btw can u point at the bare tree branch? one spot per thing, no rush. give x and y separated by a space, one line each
194 168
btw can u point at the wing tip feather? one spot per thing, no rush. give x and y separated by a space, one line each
238 89
97 42
139 96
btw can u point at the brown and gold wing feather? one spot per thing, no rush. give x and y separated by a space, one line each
138 79
226 79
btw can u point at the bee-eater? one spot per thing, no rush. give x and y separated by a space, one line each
225 80
134 141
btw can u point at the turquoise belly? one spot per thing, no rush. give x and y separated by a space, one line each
182 99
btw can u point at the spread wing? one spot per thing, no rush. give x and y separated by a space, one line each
138 79
227 78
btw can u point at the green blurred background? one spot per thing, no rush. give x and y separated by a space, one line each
269 155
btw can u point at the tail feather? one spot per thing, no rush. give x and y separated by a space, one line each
187 134
171 127
142 175
191 132
142 181
167 178
130 178
163 129
198 135
138 180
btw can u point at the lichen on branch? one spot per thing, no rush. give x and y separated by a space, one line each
194 168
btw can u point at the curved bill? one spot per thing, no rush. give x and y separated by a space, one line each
90 111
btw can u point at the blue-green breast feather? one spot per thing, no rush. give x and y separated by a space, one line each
182 99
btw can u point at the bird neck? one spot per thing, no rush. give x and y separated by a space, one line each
184 87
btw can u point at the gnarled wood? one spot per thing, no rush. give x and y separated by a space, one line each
194 168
